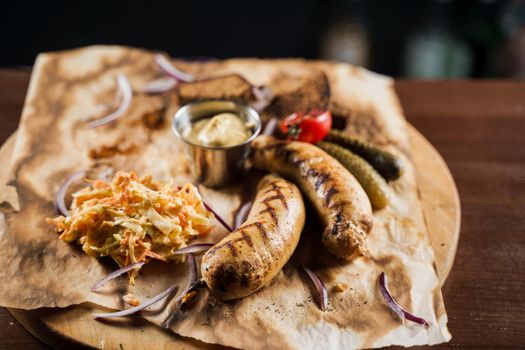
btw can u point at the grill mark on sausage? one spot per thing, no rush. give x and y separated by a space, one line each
274 187
262 230
244 235
269 190
311 173
247 238
270 210
231 245
278 196
228 244
331 191
322 178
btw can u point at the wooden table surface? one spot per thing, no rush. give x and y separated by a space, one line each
479 128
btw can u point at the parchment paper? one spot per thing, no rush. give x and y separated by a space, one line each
52 143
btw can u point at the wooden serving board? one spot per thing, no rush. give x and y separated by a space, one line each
61 328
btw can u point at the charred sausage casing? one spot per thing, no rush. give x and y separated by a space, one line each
248 258
340 200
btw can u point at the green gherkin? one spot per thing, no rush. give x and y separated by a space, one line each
374 185
388 165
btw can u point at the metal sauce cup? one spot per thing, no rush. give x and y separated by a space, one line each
215 166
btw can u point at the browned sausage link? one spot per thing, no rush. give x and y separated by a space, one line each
248 258
335 193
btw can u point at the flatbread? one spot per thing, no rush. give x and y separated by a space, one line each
52 142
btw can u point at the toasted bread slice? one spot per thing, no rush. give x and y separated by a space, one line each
231 87
299 93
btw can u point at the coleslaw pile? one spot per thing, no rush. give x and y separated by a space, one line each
134 219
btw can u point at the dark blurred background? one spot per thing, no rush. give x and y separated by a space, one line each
408 38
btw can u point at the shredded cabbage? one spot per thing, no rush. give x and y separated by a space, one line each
134 219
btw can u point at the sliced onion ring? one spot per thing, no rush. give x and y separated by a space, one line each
194 248
192 278
322 294
218 217
159 86
142 306
383 286
60 198
242 214
263 98
192 264
126 93
168 68
270 127
115 274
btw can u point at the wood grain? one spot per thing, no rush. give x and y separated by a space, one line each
478 128
440 201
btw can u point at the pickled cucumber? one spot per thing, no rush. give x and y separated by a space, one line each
388 165
374 185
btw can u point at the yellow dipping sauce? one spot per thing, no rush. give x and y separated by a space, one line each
221 130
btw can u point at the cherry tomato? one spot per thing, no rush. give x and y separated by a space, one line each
309 127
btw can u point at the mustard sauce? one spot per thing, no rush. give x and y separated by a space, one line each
221 130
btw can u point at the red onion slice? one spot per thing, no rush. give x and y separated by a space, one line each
142 306
192 278
192 264
159 86
263 98
194 248
218 217
168 68
126 93
242 214
60 198
383 286
115 274
270 127
322 294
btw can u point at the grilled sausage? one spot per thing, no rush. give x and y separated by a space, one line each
248 258
340 200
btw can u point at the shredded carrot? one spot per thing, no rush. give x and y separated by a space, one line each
134 219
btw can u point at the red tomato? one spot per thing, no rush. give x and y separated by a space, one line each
311 127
